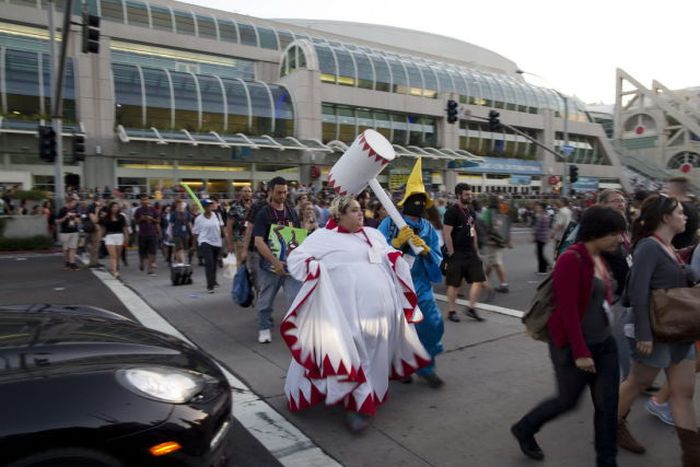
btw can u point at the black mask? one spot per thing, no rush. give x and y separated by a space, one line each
415 205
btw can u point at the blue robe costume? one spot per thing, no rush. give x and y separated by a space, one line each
425 271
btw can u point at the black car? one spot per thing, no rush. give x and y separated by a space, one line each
82 386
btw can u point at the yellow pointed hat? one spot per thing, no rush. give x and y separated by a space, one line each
414 185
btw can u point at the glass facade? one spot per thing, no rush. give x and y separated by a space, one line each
344 123
170 100
476 138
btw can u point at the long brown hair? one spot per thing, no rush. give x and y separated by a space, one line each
651 215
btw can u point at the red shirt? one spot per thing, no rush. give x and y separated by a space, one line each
572 282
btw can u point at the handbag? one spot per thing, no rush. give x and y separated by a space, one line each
675 314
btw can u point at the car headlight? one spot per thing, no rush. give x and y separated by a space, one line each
163 384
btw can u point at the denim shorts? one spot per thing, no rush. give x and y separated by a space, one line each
663 354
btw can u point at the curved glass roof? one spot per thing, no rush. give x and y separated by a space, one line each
147 97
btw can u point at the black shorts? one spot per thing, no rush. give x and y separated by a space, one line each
147 246
470 269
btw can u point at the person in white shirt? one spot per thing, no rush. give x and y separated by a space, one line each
561 221
207 233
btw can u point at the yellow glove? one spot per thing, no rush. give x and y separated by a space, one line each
404 234
416 241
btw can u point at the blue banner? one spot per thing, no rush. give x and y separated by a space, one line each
586 184
520 180
497 165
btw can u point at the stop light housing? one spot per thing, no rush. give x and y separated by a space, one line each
452 111
91 33
494 122
573 174
47 143
78 147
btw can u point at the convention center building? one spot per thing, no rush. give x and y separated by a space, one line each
182 94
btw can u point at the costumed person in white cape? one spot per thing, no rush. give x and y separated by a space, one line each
425 266
350 328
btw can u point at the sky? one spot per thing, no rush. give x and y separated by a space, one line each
572 46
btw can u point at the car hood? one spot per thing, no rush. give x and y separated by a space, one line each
56 339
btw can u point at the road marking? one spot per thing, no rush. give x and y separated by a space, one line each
486 307
284 441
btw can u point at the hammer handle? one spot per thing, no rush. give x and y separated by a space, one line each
391 210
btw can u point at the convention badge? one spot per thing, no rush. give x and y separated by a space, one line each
628 258
472 232
184 228
608 312
375 257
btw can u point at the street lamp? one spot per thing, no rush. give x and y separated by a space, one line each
566 185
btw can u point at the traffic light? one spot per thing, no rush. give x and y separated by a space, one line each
78 147
452 111
47 143
573 174
91 33
494 122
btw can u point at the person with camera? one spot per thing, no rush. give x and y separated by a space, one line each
69 233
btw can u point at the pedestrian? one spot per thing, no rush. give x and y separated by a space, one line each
463 261
272 275
115 233
541 236
350 328
581 346
68 221
678 188
425 266
147 223
181 226
236 223
207 231
657 265
307 214
497 238
562 219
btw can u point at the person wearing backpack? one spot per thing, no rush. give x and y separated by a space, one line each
581 345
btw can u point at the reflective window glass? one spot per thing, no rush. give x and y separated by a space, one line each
128 100
29 3
364 70
415 130
206 26
414 78
112 10
213 111
399 74
400 129
68 88
285 38
268 39
431 84
284 111
22 83
486 91
326 62
364 119
346 124
158 99
429 132
262 110
499 96
476 95
227 30
186 101
461 87
184 23
329 123
161 18
382 123
237 101
137 14
248 36
346 67
383 75
444 79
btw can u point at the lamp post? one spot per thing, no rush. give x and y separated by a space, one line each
565 185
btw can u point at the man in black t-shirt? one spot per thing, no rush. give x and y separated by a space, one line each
463 261
68 221
271 271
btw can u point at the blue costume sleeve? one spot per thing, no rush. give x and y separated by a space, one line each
434 258
386 228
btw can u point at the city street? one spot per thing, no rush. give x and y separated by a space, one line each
493 374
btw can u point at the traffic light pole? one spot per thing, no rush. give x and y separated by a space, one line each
565 184
57 73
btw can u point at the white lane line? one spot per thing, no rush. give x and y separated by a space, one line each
284 441
486 307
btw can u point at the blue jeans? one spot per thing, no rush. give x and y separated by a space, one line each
269 284
570 384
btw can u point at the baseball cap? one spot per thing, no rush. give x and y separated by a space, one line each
206 202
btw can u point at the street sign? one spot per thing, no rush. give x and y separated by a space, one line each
567 149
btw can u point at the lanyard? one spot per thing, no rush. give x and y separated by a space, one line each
277 218
669 248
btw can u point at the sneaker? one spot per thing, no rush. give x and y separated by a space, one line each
453 316
661 411
433 380
152 273
264 336
210 290
625 439
503 288
527 442
356 422
471 312
542 273
74 267
96 265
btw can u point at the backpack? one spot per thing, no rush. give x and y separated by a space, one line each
241 289
541 308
